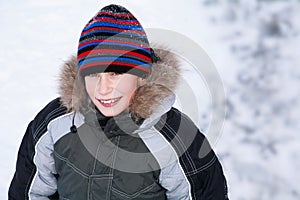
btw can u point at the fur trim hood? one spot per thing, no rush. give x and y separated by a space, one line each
150 98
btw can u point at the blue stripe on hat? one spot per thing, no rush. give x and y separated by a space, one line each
115 44
112 59
114 25
114 32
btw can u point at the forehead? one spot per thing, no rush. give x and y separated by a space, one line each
113 75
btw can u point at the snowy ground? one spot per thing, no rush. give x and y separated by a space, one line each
255 47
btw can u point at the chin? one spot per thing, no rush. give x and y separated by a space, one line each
109 113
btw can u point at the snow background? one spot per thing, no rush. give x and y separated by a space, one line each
253 43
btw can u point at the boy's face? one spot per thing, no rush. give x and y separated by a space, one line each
111 92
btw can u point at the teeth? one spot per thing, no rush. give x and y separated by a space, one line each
109 101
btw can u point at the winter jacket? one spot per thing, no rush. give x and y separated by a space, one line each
25 167
150 151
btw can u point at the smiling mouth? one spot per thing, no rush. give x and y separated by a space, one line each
109 102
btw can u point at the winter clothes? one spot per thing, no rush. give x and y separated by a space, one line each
114 158
148 151
25 168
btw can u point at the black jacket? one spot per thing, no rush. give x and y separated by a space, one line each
203 174
207 178
25 168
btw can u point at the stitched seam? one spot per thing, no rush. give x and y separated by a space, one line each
35 139
181 143
174 134
96 158
43 122
37 134
129 196
195 169
28 184
112 169
185 167
184 164
49 116
90 184
71 165
181 167
52 115
63 198
187 119
202 168
89 188
100 176
174 147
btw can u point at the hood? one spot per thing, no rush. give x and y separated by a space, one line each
155 95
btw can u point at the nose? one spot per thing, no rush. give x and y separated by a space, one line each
104 85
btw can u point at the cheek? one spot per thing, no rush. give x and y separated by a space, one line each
128 89
90 88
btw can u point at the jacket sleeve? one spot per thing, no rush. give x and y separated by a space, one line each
44 183
204 171
173 180
25 167
210 183
199 163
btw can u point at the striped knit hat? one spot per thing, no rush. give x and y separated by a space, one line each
114 41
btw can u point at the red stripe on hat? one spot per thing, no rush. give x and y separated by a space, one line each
115 63
116 21
119 52
115 41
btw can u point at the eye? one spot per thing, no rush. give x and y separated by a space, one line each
93 75
114 74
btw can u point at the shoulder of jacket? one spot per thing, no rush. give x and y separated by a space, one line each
178 120
64 121
51 111
190 144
